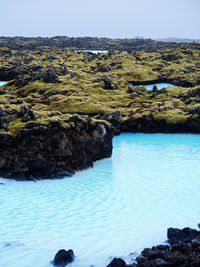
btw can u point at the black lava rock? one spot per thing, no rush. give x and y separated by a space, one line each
63 257
26 113
108 83
114 118
22 81
117 262
185 235
4 119
50 75
184 250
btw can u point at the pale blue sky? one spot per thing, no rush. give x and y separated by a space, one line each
105 18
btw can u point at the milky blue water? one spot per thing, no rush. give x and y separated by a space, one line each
122 205
97 51
93 51
2 83
159 85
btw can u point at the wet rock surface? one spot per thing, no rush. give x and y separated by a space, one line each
184 235
183 250
63 257
117 262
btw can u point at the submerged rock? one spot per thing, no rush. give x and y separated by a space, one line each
63 257
117 262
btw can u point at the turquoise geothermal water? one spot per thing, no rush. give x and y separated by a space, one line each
94 51
2 83
159 85
123 204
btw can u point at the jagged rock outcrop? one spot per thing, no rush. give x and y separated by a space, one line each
184 235
42 151
115 119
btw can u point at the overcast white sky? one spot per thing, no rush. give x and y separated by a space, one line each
103 18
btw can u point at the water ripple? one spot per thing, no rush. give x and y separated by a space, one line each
120 206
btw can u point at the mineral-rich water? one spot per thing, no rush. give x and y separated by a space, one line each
123 204
159 85
2 83
93 51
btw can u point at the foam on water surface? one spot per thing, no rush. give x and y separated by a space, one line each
119 206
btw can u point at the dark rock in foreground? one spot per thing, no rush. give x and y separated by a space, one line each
63 257
183 251
182 254
181 236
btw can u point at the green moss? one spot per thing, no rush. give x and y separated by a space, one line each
15 126
172 116
94 122
79 94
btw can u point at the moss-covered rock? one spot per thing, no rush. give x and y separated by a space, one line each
53 85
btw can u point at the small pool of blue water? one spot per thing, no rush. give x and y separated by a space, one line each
93 51
119 206
2 83
159 85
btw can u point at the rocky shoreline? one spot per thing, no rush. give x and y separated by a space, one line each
43 151
148 124
183 250
55 150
